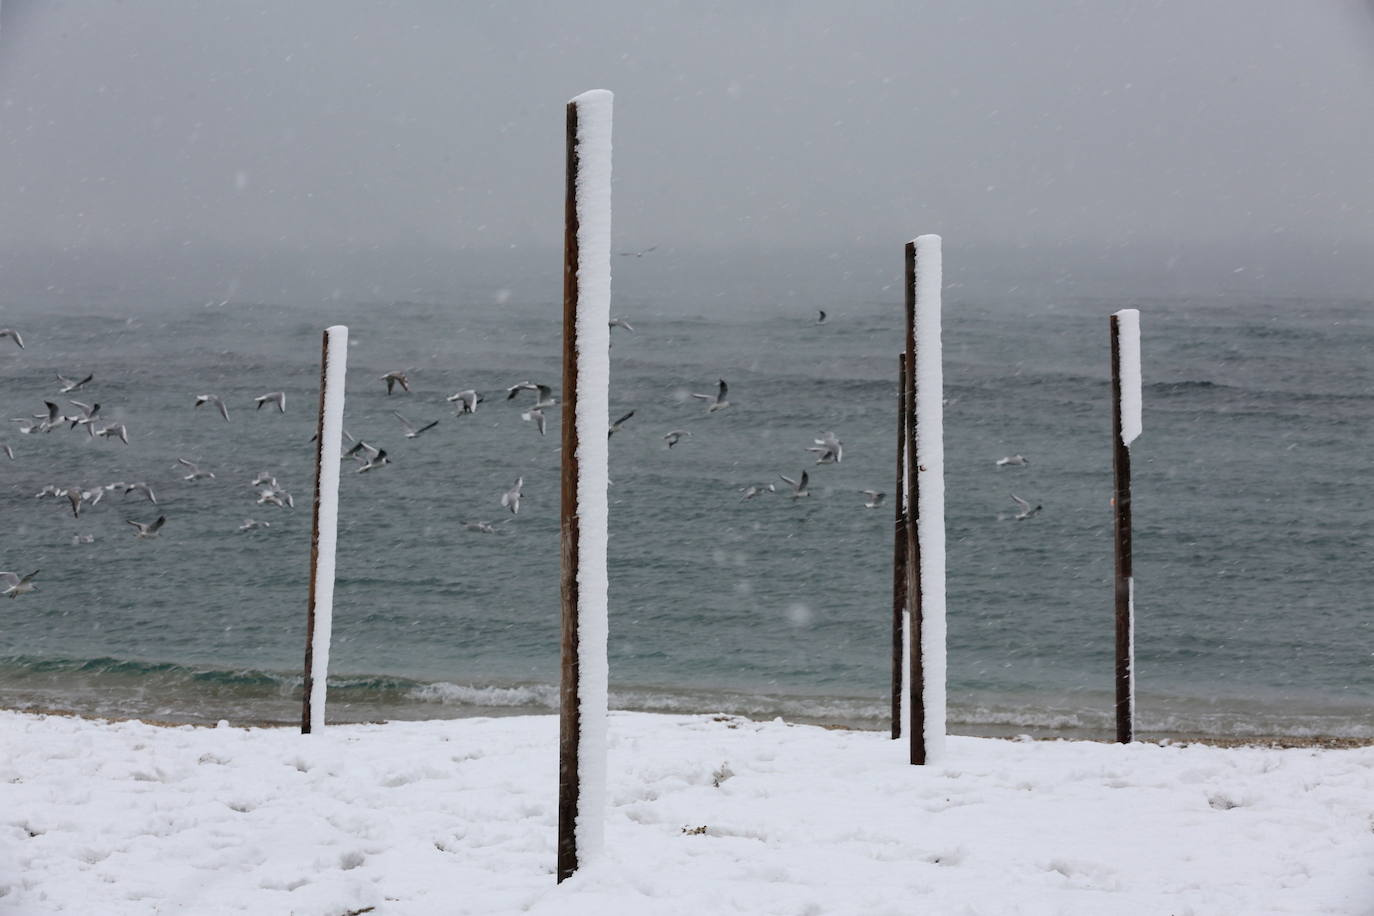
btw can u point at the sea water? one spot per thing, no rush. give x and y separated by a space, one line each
1254 527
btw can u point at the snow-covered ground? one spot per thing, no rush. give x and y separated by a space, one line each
706 815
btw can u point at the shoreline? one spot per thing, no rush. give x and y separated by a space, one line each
1267 742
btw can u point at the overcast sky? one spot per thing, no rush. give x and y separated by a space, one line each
1224 124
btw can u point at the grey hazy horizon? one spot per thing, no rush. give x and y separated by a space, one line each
318 149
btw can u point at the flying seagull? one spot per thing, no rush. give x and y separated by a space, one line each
615 427
68 385
621 323
194 471
1025 507
537 415
9 452
147 529
89 414
213 399
875 498
376 457
798 486
1014 460
274 497
751 491
468 401
543 393
715 401
820 319
142 488
272 397
393 379
249 524
114 429
412 431
511 498
828 449
15 586
12 334
673 437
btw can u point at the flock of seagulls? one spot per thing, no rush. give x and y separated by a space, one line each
827 449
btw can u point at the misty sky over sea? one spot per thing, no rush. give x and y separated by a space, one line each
1199 144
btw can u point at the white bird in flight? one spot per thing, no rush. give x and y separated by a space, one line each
511 498
468 400
537 415
194 471
828 449
798 486
393 379
715 401
751 491
413 431
68 385
147 529
1013 460
114 429
875 498
616 426
376 457
16 586
1025 507
217 401
272 397
13 335
673 437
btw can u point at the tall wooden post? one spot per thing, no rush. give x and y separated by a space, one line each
899 553
915 697
1126 394
583 506
925 533
324 524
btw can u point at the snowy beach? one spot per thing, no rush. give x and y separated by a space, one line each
704 814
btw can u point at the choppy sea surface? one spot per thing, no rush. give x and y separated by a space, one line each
1254 523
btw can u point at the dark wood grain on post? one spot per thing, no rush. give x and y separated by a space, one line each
899 550
916 695
309 678
570 720
1121 504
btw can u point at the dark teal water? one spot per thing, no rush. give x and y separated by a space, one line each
1254 523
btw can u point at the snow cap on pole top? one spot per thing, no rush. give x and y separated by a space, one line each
1128 348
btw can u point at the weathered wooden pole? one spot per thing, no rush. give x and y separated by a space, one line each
1126 425
925 475
899 552
583 514
324 525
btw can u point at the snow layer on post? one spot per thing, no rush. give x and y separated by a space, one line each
331 445
593 459
1128 339
930 508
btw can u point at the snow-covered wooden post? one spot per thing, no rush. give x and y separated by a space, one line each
925 478
324 529
899 554
1126 425
583 515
